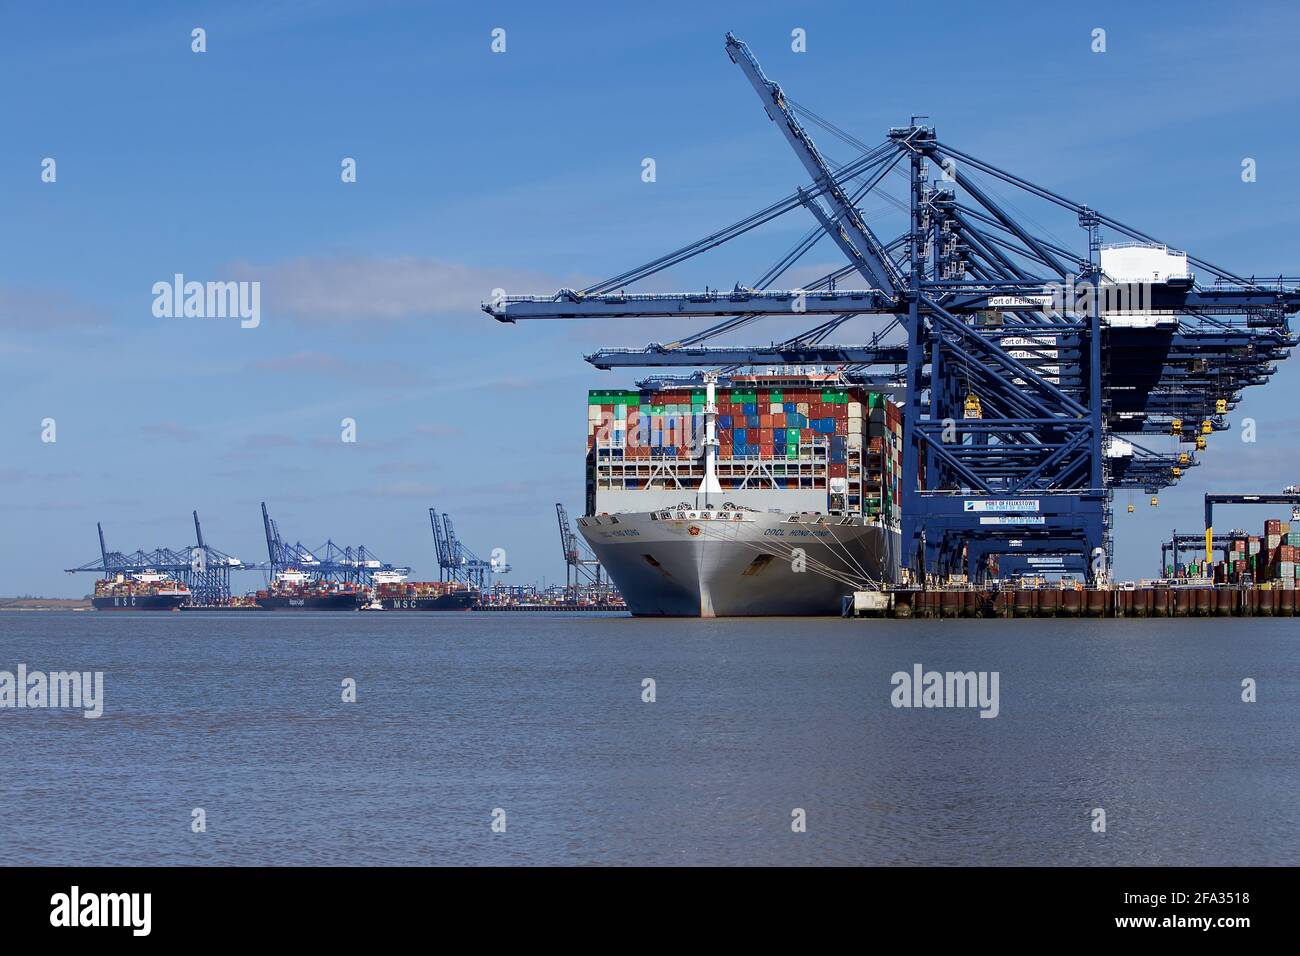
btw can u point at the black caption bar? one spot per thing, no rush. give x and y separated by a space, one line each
143 905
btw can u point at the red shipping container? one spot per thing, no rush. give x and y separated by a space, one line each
841 411
765 436
765 450
765 422
839 471
778 421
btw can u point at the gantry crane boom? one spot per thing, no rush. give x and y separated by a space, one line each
844 222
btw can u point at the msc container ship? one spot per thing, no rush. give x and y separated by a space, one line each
392 592
298 591
771 495
146 591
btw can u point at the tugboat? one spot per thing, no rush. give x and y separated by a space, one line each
294 590
146 591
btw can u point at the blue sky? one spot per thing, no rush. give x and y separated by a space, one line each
519 170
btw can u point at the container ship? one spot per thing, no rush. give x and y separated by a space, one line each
392 592
146 591
766 494
294 590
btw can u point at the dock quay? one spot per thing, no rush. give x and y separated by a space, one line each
502 608
1114 602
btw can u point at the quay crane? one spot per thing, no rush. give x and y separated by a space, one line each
1077 354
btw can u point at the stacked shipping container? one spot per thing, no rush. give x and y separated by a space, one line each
857 435
1268 557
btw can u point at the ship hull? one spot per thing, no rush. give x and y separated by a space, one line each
456 601
317 602
687 567
139 602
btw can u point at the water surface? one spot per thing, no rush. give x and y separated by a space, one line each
541 715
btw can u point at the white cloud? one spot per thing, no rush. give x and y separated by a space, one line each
343 289
40 308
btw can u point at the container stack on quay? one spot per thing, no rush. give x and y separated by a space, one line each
806 434
1266 558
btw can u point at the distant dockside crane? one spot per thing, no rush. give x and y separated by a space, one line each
329 562
456 562
205 570
582 571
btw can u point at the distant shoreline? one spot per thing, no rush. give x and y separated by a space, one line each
44 604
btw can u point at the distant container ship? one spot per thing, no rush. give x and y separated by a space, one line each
295 590
768 495
145 591
392 592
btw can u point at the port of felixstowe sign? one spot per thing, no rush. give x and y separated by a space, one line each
1020 508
